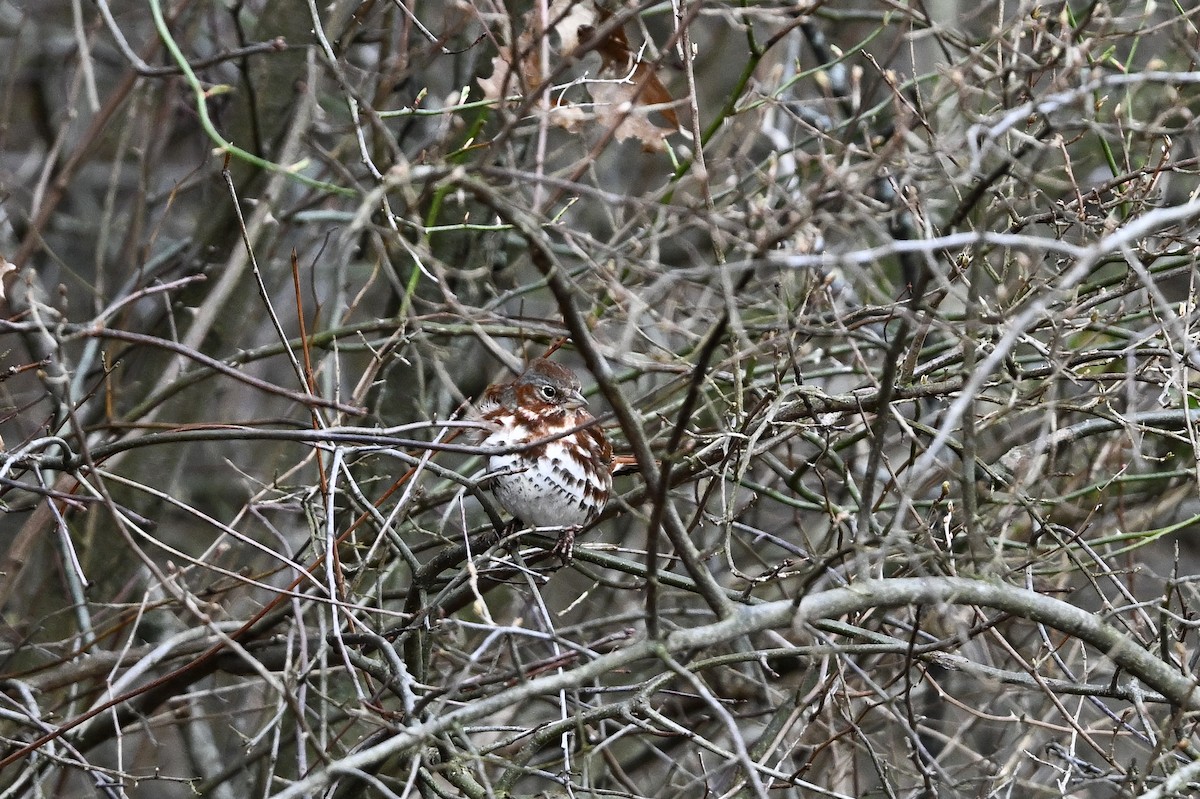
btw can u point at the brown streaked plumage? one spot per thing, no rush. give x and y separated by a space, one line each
563 480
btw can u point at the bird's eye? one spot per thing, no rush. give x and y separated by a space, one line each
549 392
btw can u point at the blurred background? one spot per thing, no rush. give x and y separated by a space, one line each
886 290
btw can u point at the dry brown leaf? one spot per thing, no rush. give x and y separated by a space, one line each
626 86
615 110
504 78
569 19
620 61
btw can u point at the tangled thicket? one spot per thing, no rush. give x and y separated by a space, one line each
895 315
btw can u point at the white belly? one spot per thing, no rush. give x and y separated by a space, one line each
540 498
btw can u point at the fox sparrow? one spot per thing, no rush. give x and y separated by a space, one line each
563 477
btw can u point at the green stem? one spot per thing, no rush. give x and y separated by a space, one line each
206 122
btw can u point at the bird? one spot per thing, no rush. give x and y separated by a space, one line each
563 475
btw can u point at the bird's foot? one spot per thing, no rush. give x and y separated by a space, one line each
565 546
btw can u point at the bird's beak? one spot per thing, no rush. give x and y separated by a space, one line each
576 401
